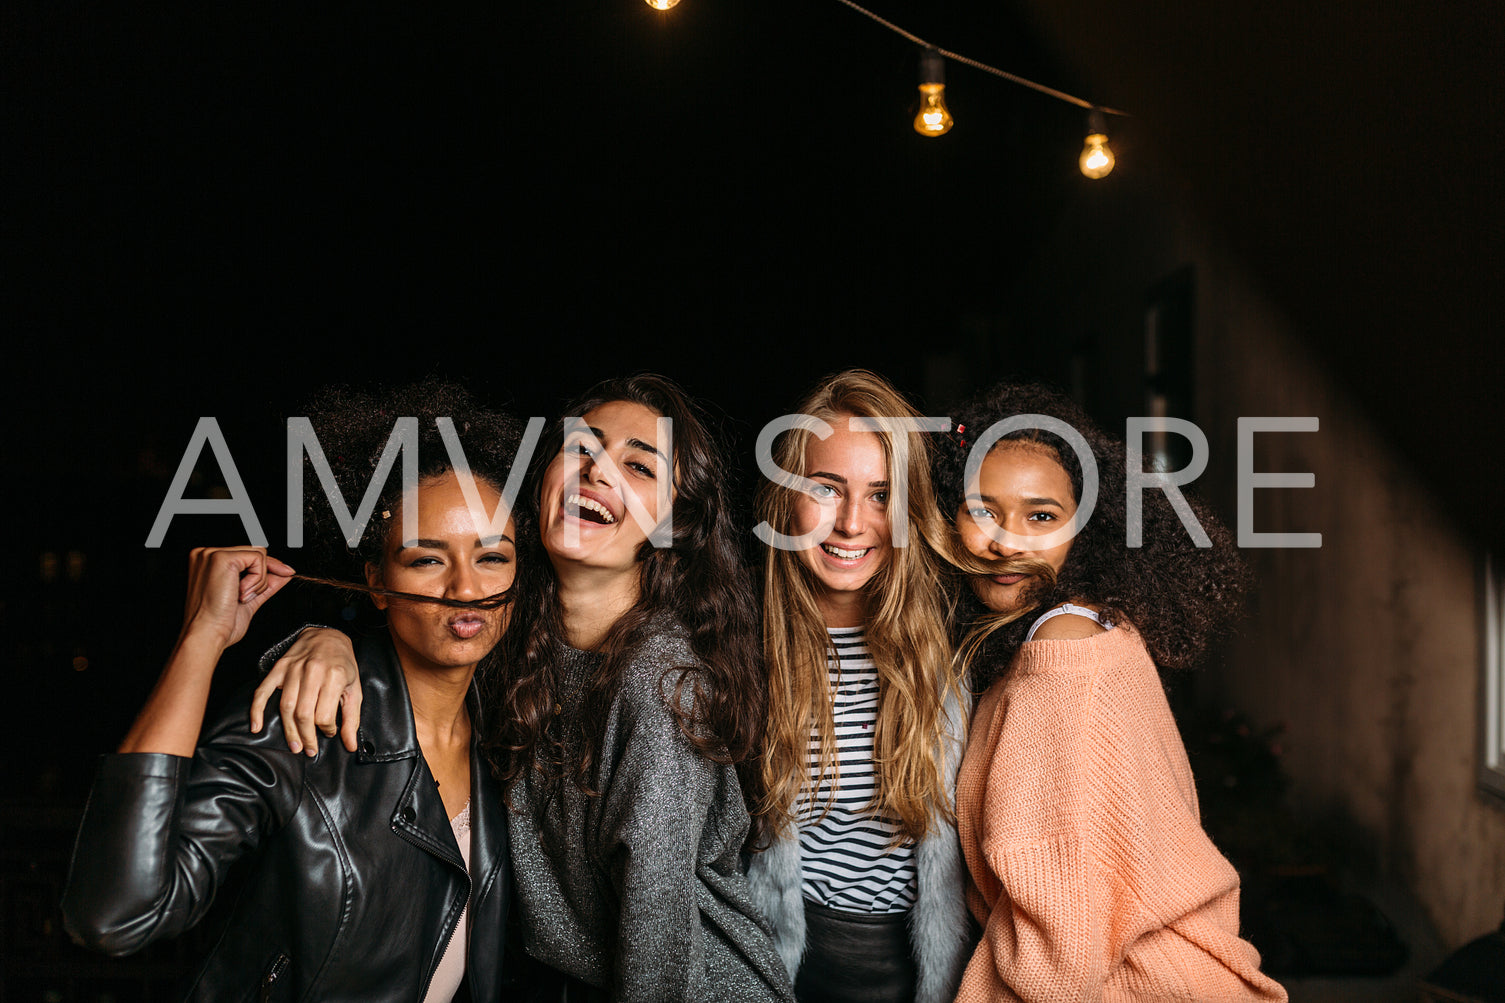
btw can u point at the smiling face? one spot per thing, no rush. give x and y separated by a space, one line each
1022 494
584 516
851 473
449 559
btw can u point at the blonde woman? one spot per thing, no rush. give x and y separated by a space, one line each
863 879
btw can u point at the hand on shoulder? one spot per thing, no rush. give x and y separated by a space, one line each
318 675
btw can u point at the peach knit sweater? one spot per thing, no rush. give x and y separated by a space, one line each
1090 871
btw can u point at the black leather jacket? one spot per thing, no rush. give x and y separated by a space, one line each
357 881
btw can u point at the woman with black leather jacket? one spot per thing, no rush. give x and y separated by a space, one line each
377 874
631 715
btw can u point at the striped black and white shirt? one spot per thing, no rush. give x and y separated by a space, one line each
846 858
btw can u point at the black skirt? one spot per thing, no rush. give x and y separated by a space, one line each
853 957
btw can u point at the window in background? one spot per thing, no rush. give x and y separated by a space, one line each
1492 761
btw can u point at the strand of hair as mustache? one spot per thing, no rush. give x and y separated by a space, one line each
494 601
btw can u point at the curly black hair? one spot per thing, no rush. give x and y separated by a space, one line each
700 580
353 425
1177 595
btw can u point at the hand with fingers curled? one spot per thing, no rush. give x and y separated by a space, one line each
226 587
321 690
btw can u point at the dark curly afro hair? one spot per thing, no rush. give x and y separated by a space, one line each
353 426
1177 595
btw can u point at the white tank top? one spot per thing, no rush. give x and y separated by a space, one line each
1064 608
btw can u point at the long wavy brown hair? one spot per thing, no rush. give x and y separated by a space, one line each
907 631
699 582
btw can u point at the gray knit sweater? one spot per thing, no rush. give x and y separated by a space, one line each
641 890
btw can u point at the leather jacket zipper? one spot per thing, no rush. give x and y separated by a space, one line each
273 973
404 834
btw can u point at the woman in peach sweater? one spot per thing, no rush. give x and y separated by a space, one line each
1090 871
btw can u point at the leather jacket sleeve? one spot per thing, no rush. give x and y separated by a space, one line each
159 833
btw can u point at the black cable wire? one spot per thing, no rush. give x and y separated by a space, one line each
975 64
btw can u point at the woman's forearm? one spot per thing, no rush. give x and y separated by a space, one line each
226 586
173 715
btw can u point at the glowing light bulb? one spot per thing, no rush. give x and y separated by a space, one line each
1096 160
933 118
662 4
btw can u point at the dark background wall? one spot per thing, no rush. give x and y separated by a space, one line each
215 211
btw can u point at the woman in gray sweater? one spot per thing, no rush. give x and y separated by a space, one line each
634 695
633 701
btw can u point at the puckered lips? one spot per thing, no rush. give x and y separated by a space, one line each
466 624
591 508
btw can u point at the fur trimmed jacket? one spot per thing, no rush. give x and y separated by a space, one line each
941 934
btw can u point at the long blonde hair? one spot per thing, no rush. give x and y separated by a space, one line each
907 631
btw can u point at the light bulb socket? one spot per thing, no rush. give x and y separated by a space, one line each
932 68
1097 124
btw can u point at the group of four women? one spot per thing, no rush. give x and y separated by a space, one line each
584 763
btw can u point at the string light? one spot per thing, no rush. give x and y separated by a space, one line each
1096 160
933 118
